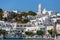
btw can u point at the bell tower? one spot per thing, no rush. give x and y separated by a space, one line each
39 9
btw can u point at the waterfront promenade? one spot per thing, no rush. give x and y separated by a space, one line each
28 39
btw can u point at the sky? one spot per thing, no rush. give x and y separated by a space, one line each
30 5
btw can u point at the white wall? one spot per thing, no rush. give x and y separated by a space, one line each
58 28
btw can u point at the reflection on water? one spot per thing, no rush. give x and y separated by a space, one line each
28 39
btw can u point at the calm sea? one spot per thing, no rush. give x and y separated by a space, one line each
26 39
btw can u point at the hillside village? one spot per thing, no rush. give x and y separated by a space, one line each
28 23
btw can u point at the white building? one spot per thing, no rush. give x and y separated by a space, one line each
58 28
34 29
44 18
5 14
7 25
15 11
49 28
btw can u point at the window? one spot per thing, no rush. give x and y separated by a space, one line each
43 29
21 25
24 25
17 25
0 24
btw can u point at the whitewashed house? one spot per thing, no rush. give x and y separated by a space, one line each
58 28
7 25
34 29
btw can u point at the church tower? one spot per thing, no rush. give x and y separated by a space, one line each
39 9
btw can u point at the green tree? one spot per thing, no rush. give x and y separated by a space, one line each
4 32
28 33
40 32
1 14
23 14
31 13
20 16
20 19
25 20
52 32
